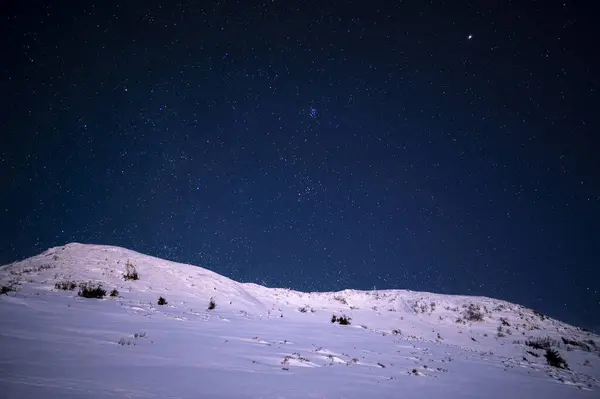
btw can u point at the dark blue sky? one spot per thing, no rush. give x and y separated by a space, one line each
313 145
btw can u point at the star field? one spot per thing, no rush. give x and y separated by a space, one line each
313 145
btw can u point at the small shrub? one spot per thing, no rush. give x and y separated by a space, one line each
533 354
162 301
65 285
5 289
343 320
130 272
91 291
542 343
582 345
341 299
473 313
504 322
302 309
212 304
592 342
540 315
114 292
554 359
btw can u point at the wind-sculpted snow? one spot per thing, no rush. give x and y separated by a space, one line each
260 342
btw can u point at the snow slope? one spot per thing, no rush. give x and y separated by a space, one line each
266 343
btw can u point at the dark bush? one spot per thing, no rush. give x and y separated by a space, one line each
130 272
554 359
542 343
473 313
540 315
5 289
162 301
212 304
343 320
114 292
91 291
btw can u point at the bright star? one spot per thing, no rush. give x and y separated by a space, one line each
470 37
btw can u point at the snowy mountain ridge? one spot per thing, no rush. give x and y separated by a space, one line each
389 334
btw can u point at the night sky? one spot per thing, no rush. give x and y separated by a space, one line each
313 145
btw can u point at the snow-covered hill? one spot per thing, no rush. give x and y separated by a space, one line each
260 342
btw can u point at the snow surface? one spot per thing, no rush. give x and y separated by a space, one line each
262 342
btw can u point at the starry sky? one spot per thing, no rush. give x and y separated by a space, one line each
423 145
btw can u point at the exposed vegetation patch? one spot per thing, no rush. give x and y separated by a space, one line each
126 342
540 315
212 304
162 301
500 333
88 290
29 270
542 343
66 285
130 272
340 299
114 292
579 344
473 313
306 308
5 289
554 359
343 320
